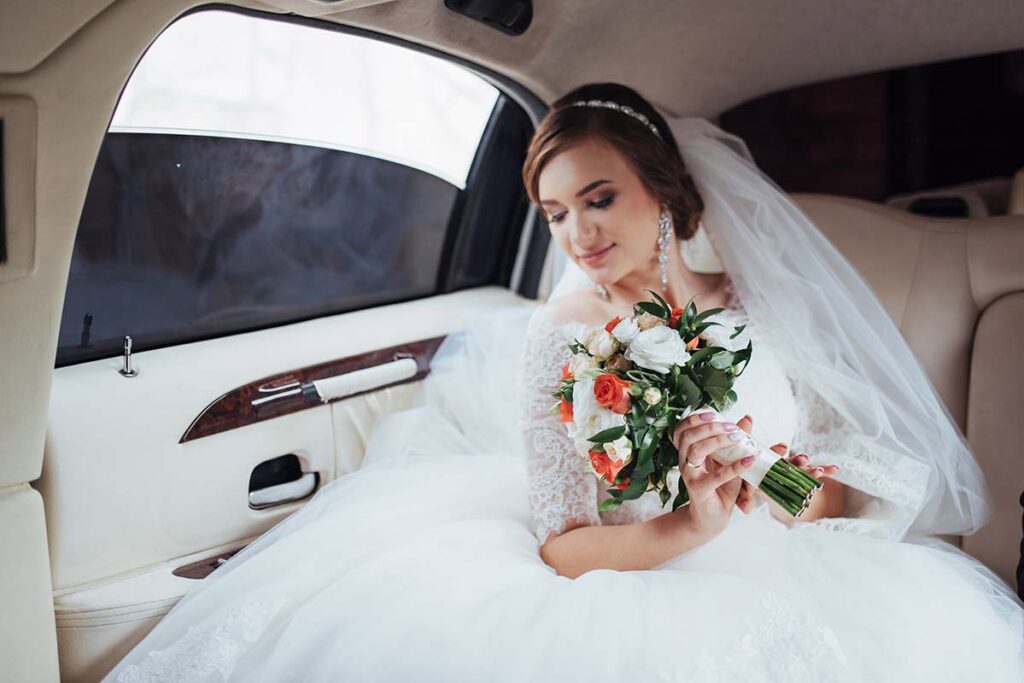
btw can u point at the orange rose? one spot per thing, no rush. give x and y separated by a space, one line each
612 323
565 411
612 393
677 313
566 373
692 344
607 468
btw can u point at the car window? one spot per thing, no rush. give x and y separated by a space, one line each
258 172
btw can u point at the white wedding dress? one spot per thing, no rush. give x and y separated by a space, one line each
424 566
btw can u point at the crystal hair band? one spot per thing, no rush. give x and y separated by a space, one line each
629 111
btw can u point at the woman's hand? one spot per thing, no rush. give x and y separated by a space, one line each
713 488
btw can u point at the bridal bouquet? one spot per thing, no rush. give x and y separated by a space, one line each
629 382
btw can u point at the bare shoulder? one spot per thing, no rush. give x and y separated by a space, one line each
577 305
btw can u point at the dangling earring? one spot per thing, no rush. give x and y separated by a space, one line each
602 291
664 239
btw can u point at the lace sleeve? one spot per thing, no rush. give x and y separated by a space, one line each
884 489
560 489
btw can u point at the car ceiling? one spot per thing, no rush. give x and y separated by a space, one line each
690 57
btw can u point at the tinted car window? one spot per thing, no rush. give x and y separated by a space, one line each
221 212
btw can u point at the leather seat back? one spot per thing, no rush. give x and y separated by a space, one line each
955 289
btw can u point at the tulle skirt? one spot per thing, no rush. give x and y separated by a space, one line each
422 567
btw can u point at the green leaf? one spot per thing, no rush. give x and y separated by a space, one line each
739 329
716 383
705 325
652 308
606 435
690 391
747 353
722 360
609 504
664 304
700 354
707 314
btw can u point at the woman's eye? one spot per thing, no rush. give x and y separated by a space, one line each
600 204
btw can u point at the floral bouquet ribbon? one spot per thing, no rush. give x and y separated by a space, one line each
632 380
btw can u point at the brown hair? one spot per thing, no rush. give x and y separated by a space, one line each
657 162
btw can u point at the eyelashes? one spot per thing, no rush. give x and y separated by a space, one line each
600 204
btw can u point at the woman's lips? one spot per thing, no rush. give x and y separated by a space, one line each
595 257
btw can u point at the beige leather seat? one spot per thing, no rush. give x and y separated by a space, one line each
1016 204
955 289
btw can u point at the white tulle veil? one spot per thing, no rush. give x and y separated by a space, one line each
838 340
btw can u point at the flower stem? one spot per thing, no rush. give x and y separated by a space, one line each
789 486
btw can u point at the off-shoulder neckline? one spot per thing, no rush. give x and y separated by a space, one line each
733 309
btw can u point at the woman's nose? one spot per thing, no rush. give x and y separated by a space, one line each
583 231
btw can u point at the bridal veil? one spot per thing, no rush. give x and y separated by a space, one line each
876 412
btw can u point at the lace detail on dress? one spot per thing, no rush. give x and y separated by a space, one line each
788 645
560 489
207 649
883 487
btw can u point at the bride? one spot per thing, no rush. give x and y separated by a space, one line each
469 545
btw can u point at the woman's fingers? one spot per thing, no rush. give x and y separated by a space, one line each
745 500
746 423
822 470
700 450
730 471
688 438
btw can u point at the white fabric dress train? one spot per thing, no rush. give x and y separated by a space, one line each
424 564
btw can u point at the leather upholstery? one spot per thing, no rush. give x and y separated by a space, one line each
955 289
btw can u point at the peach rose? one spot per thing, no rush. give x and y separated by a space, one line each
604 466
565 411
646 321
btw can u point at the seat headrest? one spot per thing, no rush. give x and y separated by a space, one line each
1015 207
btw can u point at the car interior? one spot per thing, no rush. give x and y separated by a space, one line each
233 235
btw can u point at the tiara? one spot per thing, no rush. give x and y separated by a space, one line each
629 111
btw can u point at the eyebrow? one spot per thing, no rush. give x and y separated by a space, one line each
582 192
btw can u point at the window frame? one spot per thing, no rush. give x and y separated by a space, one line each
521 275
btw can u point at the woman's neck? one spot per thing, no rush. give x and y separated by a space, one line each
682 285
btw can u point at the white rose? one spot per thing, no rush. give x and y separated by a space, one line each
599 343
626 330
620 449
581 362
658 349
590 416
718 336
652 396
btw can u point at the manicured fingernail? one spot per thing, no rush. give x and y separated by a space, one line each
735 436
729 427
707 417
747 460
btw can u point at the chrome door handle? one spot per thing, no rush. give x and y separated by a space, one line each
279 494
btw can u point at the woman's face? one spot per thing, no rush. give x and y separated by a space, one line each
598 211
